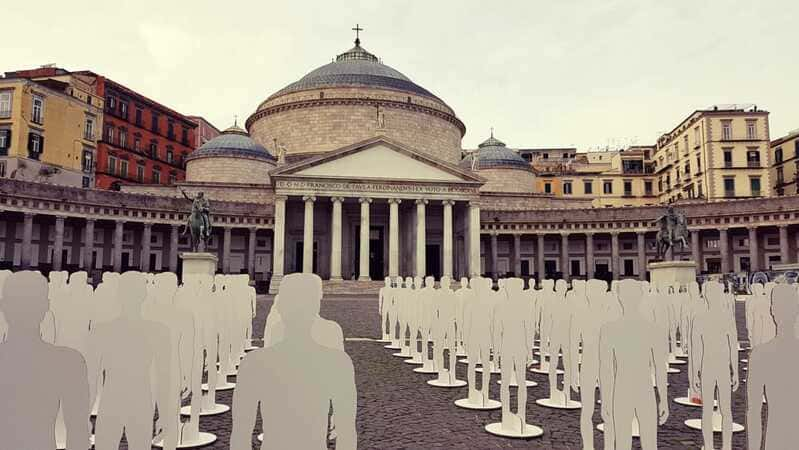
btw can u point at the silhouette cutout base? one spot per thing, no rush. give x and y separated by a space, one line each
218 408
492 365
424 369
490 404
227 386
62 445
202 440
514 383
636 433
461 352
529 431
405 353
417 361
672 370
446 383
393 347
744 360
696 424
674 361
559 402
685 401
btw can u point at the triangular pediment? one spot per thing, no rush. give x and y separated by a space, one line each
378 158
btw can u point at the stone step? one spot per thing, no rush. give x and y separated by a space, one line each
351 287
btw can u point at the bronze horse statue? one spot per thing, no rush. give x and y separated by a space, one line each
198 225
673 230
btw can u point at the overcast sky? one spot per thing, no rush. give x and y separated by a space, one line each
542 73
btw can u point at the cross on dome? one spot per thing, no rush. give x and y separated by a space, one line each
357 31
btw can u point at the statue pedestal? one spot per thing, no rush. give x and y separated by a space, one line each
672 272
199 263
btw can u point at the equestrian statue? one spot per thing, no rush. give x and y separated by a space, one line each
198 224
672 229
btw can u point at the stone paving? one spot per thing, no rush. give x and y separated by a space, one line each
397 409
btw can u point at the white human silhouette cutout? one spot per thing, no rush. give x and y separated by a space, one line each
415 312
462 297
385 300
283 380
39 378
513 336
714 348
226 336
772 373
590 316
405 311
125 351
629 347
558 314
477 340
445 336
428 297
762 328
393 312
4 274
547 304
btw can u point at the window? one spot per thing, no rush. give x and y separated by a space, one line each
109 134
137 144
548 188
5 104
697 137
5 141
37 114
726 130
628 188
88 129
647 187
35 145
154 149
138 117
753 158
88 160
170 129
698 164
607 187
778 155
567 187
687 169
751 129
123 168
588 187
729 187
185 137
156 176
685 140
140 173
112 165
123 110
110 103
699 192
2 169
780 175
727 158
154 124
172 178
169 155
754 185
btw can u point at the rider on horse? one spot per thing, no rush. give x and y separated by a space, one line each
199 221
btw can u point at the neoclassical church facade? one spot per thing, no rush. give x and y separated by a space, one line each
354 172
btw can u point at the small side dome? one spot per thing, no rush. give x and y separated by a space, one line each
231 157
502 168
493 154
233 142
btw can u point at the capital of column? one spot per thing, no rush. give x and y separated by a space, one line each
90 220
448 202
565 234
363 200
175 227
782 226
28 215
147 225
309 198
395 201
421 201
337 199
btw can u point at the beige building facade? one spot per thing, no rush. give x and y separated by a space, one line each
785 154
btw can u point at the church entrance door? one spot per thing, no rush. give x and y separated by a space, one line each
376 271
433 261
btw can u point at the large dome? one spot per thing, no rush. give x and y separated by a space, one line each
231 157
502 168
355 67
354 98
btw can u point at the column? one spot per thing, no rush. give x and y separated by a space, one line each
724 242
754 257
474 240
278 243
226 249
614 254
251 253
119 229
696 242
421 238
564 256
641 235
307 235
785 246
144 257
363 266
58 245
540 258
27 235
173 248
494 258
447 241
393 237
88 245
335 239
589 255
517 255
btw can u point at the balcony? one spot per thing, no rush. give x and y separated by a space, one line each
88 136
728 164
5 113
753 164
